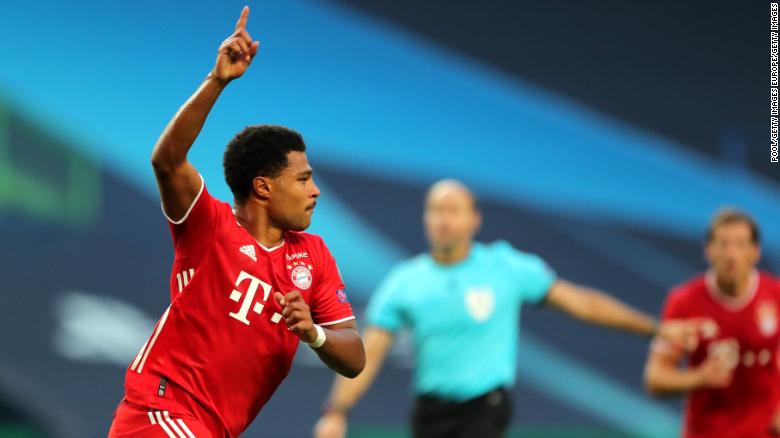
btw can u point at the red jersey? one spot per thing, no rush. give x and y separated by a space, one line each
745 332
222 346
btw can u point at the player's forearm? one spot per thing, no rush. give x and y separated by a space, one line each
343 352
665 380
602 309
171 149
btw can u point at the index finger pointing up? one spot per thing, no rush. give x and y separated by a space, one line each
241 24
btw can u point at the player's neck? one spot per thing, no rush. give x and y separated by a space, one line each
733 289
450 256
257 223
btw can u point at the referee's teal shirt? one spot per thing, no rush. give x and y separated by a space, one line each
464 318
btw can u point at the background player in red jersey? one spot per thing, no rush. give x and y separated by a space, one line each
732 378
247 283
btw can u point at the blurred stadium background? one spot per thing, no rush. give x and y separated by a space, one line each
600 135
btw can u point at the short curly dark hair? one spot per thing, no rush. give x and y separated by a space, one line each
259 150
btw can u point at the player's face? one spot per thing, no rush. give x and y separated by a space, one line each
294 195
450 218
732 252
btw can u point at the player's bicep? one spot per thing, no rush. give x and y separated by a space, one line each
345 325
179 188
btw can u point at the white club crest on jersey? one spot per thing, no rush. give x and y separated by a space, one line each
301 277
249 250
727 350
708 329
766 317
480 303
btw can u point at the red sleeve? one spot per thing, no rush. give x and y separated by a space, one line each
674 308
198 224
329 302
192 235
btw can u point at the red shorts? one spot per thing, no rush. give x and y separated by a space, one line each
131 420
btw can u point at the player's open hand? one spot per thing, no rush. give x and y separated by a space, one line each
714 372
331 425
236 52
774 428
297 315
683 333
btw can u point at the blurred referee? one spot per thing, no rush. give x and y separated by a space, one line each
462 304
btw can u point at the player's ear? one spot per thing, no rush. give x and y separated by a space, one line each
261 187
757 254
477 221
707 252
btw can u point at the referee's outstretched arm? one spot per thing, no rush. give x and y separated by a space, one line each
596 307
346 392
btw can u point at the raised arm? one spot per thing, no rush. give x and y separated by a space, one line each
597 307
177 180
346 392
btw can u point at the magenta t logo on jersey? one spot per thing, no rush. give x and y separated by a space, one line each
342 296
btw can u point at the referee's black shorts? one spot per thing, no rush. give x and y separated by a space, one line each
486 416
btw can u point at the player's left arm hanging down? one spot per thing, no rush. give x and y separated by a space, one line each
339 346
599 308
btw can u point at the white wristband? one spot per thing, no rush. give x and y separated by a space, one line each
317 343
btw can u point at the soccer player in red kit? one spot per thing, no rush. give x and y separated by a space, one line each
732 378
247 284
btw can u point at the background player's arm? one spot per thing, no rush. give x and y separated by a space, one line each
664 377
177 180
775 426
346 392
597 307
